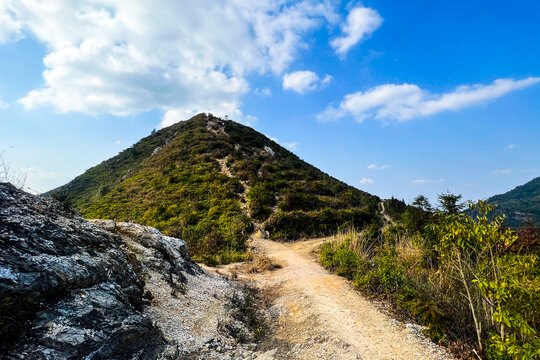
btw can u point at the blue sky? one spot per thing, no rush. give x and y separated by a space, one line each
395 98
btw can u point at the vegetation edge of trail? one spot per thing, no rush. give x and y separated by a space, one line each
472 282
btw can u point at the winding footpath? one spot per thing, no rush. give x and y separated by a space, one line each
318 315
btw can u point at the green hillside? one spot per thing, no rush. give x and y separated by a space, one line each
520 204
208 180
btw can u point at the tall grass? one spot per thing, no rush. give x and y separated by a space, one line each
403 269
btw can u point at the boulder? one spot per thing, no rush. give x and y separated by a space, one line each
67 288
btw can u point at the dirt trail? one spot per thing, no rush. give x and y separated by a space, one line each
318 315
388 219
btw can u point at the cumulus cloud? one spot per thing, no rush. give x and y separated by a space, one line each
376 167
304 81
360 24
114 57
406 101
366 181
427 181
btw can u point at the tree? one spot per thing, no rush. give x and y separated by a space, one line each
422 202
449 203
418 215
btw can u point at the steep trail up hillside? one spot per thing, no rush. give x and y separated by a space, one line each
318 315
384 215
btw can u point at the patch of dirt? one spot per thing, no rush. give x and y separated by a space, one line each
314 314
386 218
227 172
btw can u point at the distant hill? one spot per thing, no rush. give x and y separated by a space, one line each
520 204
208 180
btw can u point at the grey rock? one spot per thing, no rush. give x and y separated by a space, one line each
67 289
100 289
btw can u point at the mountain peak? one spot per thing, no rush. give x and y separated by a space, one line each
210 180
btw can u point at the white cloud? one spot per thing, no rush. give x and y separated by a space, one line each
427 181
361 23
265 92
10 26
291 145
511 146
222 109
114 57
303 81
501 172
3 105
407 101
375 167
300 81
366 181
118 142
327 79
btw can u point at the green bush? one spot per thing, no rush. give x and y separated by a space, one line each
388 272
260 201
347 262
477 291
298 201
297 224
327 254
341 259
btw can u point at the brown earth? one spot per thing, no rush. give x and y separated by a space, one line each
314 314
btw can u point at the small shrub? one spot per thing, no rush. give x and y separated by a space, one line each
327 254
347 263
389 274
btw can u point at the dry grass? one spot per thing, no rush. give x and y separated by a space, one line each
408 254
257 262
359 241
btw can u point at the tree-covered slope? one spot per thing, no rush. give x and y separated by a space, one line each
520 204
207 180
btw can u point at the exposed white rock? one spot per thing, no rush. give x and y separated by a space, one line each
269 150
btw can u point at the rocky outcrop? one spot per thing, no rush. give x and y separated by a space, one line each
77 289
67 290
201 315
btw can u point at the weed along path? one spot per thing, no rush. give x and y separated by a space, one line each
318 315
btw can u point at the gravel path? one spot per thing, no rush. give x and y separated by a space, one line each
318 315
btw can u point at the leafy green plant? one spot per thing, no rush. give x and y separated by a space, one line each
473 252
460 277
